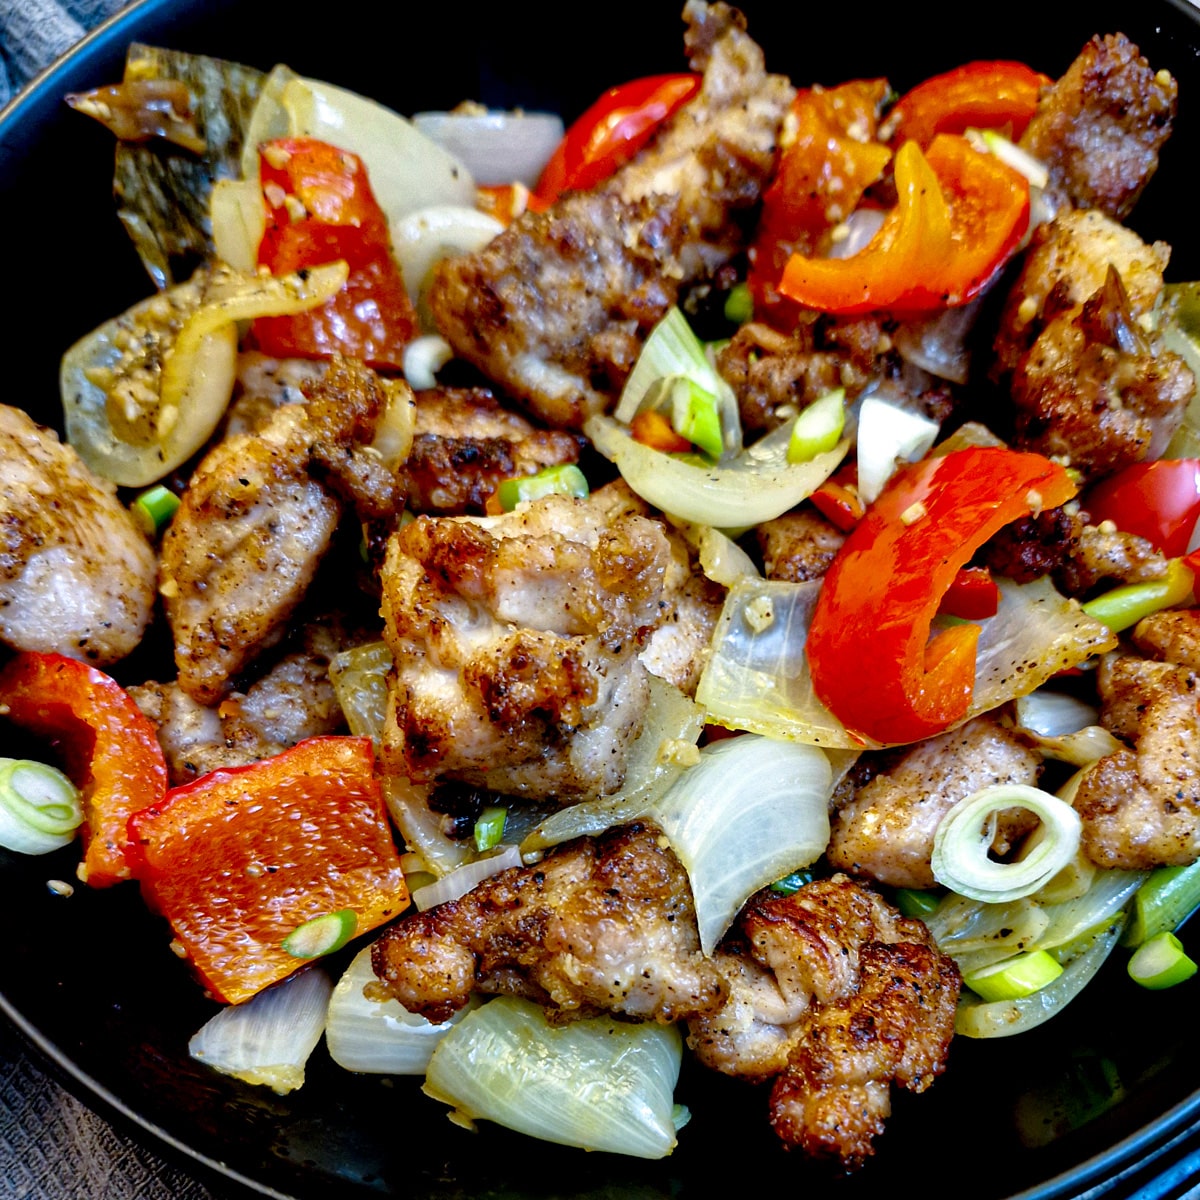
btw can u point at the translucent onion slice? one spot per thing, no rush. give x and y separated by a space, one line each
239 219
267 1039
597 1084
938 344
750 812
379 1036
757 485
887 436
1064 728
359 677
421 828
462 879
961 844
40 808
757 675
497 147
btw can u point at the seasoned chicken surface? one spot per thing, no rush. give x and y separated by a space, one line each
1101 126
885 830
602 924
556 308
835 996
1089 382
258 516
1141 806
516 642
76 573
465 443
798 546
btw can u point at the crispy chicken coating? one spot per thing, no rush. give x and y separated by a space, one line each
885 830
798 546
555 308
76 572
599 925
834 996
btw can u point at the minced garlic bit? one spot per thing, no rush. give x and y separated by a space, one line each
1107 527
1034 499
60 887
759 614
913 513
168 588
178 949
81 872
276 156
678 752
1026 310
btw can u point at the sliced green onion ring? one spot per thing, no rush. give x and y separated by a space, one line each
154 509
1123 607
1168 896
565 479
489 827
819 427
1014 978
322 935
40 808
960 859
1160 962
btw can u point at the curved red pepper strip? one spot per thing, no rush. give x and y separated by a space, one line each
240 858
108 746
960 216
1158 500
872 663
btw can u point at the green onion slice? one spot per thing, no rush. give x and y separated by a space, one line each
739 304
154 508
40 808
1168 896
960 858
819 427
921 903
695 415
1160 962
489 827
1014 978
563 480
322 935
1123 607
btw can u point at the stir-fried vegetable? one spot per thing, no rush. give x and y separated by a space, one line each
39 807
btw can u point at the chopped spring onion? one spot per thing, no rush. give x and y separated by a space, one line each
960 859
268 1038
887 435
40 808
818 428
489 827
1162 903
1014 978
1160 962
739 304
695 415
322 935
1009 153
1124 606
566 479
791 883
673 351
154 508
918 902
598 1084
378 1036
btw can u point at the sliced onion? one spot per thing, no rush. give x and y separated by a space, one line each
239 219
721 559
963 839
598 1084
268 1038
859 228
379 1036
497 147
1064 728
938 344
887 436
751 811
359 677
462 879
758 485
976 934
420 827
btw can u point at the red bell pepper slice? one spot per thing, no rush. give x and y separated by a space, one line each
320 208
109 748
240 858
996 94
837 499
829 158
959 218
1159 501
869 652
972 595
611 132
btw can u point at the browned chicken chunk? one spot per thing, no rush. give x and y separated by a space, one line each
602 924
835 996
555 309
76 572
798 546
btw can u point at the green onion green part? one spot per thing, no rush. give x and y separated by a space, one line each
793 882
695 416
154 508
1014 978
564 480
739 304
489 827
1168 896
1160 962
1122 607
322 935
40 808
818 428
920 903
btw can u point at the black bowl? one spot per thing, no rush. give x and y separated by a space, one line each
90 980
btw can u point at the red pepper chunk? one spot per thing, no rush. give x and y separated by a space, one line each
996 94
872 661
238 859
108 747
972 595
960 216
320 209
1158 500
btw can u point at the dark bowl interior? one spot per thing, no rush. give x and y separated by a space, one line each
90 979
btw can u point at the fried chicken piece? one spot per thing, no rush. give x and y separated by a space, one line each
1089 382
599 925
885 831
76 572
1172 635
1141 807
834 995
465 443
516 642
1099 128
258 516
556 308
798 546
